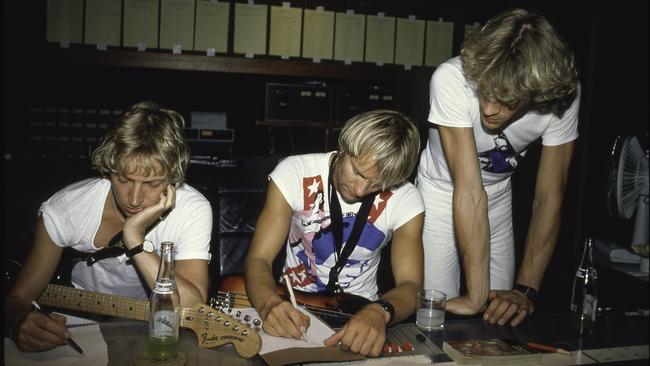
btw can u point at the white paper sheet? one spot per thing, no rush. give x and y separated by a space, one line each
317 332
88 337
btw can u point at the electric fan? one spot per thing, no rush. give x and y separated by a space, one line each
628 188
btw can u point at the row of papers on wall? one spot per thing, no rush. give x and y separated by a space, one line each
258 29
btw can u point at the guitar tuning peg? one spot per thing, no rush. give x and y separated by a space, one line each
238 314
257 322
247 318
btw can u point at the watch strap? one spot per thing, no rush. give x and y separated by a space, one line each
388 307
136 250
529 292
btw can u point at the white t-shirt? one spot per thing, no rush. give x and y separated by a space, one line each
454 103
303 180
72 217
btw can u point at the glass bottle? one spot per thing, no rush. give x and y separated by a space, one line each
584 298
165 309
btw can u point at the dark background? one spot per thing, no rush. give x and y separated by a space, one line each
609 39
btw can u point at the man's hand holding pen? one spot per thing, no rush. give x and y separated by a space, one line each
283 318
40 331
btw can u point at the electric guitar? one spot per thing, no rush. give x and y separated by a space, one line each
212 327
335 310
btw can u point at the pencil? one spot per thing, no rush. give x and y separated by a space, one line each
71 341
544 347
292 297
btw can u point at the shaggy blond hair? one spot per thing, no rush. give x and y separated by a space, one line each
387 136
146 138
517 58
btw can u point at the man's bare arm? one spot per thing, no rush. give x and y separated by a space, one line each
470 217
365 332
280 318
34 331
542 235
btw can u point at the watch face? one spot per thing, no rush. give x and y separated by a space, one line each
147 246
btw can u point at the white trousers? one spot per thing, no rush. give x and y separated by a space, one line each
441 261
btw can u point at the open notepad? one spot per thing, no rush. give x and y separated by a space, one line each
281 351
315 335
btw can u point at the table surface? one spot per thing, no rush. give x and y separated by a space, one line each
127 340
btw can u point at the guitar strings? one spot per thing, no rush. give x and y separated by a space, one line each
241 300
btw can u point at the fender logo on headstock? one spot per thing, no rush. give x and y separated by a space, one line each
219 339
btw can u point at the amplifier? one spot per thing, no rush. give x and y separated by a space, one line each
311 102
352 100
210 135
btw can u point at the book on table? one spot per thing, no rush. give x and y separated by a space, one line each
490 352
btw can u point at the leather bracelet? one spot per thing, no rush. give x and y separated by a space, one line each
529 292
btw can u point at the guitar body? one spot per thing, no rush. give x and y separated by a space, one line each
335 310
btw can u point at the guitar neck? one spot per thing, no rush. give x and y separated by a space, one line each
91 302
212 327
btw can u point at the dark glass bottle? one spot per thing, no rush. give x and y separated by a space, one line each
165 309
584 298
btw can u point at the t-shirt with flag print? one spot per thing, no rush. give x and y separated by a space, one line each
310 249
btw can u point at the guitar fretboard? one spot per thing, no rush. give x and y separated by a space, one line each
92 302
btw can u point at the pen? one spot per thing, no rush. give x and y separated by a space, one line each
71 341
544 347
292 297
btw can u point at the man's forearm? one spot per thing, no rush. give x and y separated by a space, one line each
189 293
540 242
473 233
260 285
15 309
404 298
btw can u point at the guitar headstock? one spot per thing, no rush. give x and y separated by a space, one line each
224 301
214 328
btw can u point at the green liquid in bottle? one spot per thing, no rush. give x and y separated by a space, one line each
162 348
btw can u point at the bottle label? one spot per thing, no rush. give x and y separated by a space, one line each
164 324
163 287
590 305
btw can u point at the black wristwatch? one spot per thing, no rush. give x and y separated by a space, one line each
388 307
529 292
146 246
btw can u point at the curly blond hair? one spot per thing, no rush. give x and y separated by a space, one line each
144 135
518 58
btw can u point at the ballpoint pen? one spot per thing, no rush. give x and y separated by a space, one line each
70 341
544 347
292 297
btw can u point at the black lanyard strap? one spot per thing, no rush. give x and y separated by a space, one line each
336 219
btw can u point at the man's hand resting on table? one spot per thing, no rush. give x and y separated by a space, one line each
364 333
507 305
